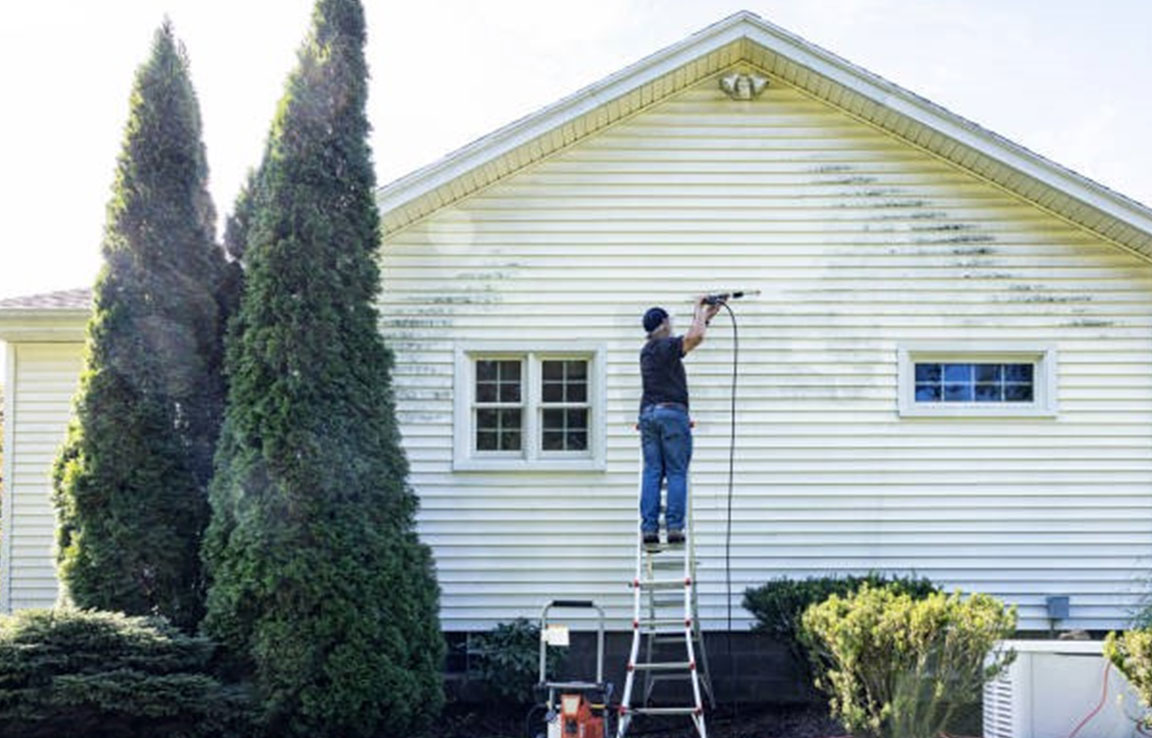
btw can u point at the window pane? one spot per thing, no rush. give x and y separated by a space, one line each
988 393
486 419
510 440
553 420
486 440
957 372
1018 373
1018 392
958 393
988 373
553 441
577 371
510 419
486 392
553 392
553 370
927 393
577 419
928 372
510 371
486 371
577 392
509 392
577 441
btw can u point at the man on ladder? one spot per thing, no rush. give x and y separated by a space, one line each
666 636
665 432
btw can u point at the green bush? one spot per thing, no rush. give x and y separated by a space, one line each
902 667
779 604
1131 653
90 673
507 660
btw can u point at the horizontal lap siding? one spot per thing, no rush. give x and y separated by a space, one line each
46 379
860 244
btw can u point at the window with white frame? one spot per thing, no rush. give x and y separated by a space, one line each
533 409
977 380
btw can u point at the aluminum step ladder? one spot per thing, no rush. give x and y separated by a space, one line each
666 630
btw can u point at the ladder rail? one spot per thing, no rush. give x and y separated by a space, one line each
645 588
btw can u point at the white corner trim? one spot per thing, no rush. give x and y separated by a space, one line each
7 503
1045 404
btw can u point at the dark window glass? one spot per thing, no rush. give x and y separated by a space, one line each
928 373
927 393
957 393
984 383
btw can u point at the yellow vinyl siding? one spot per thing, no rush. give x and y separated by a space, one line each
860 243
45 378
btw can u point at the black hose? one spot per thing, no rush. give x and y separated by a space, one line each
731 485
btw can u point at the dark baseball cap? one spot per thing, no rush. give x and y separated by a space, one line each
653 318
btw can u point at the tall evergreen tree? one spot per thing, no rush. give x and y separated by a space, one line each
131 481
318 578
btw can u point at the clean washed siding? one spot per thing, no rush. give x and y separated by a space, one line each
46 378
861 243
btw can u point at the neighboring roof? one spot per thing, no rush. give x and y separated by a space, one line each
77 299
50 316
745 38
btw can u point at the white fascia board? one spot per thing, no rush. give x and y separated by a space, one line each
519 132
53 326
955 127
747 25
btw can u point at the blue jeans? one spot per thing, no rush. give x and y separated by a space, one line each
666 439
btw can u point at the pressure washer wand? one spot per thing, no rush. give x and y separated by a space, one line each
722 297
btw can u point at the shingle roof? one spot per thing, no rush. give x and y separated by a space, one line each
77 299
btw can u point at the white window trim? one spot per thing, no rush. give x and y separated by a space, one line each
1045 402
531 458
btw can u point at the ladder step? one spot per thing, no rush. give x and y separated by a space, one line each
663 666
660 622
655 584
663 710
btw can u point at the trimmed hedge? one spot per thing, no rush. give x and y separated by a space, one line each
779 605
899 667
92 673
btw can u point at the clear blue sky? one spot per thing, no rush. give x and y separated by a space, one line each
1066 78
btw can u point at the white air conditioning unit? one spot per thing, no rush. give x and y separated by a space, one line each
1057 689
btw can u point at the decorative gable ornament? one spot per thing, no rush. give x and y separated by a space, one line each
743 86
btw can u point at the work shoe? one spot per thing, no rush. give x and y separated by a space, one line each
651 538
675 537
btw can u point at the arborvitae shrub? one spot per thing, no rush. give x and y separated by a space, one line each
93 674
320 586
131 481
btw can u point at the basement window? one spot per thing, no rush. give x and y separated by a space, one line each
521 408
974 380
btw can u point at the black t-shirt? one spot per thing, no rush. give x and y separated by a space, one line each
663 371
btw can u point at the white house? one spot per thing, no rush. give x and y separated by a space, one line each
948 370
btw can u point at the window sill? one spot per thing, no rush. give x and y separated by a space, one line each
523 465
964 410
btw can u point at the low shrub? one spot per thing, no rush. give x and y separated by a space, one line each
506 660
901 667
779 604
1131 653
90 673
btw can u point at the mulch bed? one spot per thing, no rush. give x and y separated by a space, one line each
750 721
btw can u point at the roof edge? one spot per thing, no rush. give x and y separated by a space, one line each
747 25
524 129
